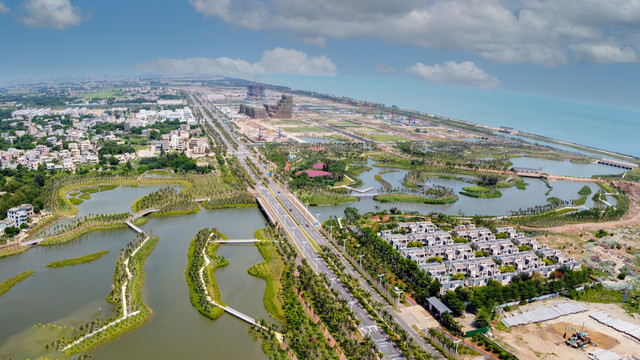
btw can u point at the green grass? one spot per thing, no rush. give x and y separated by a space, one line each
606 187
480 192
9 283
194 264
90 190
554 200
584 191
79 260
411 198
563 211
521 185
477 189
387 171
107 187
581 201
385 184
76 201
13 250
103 94
603 296
85 196
271 271
317 198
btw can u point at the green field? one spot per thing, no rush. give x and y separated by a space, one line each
106 93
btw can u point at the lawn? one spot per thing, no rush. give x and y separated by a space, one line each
106 93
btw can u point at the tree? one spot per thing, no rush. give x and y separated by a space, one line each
453 302
351 214
11 231
154 135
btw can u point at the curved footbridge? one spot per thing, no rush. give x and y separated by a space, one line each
227 309
139 215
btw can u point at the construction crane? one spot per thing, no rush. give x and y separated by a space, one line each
579 339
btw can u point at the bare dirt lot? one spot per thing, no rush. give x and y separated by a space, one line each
545 340
631 219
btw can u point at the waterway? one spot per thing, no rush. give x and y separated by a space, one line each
512 198
76 295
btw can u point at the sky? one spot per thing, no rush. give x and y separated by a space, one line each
585 50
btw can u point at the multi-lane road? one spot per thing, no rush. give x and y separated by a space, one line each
301 229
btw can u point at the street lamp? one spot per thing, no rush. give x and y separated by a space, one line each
344 244
351 304
331 233
457 342
318 218
381 276
332 280
398 291
360 260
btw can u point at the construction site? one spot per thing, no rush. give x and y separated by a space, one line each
559 328
264 114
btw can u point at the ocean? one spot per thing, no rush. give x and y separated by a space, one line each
600 126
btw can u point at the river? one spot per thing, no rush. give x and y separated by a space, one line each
512 198
75 295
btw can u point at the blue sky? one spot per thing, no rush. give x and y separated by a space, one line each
579 49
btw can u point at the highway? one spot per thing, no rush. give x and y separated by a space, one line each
299 225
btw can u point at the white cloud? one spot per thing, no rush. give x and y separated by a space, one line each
4 8
605 54
543 32
385 69
449 72
276 61
52 14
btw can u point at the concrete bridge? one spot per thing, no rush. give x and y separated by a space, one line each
361 191
143 213
361 195
237 241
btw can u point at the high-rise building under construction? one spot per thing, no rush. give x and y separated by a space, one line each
283 109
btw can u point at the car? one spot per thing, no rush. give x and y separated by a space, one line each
307 225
